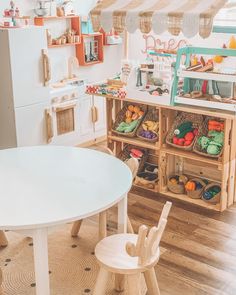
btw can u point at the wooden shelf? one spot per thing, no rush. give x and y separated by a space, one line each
197 202
81 49
63 45
41 18
207 76
191 155
134 141
155 190
206 103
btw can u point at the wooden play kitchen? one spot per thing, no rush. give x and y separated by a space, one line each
186 153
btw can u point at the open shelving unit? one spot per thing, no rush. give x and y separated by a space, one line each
187 75
94 40
220 170
74 24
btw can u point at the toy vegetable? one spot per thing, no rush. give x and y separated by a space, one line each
213 149
183 129
215 125
190 186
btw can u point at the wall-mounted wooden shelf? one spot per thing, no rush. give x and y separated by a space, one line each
82 51
74 23
63 45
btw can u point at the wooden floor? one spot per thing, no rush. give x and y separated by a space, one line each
199 246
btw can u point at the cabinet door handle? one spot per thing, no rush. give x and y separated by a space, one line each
46 67
93 114
49 125
96 114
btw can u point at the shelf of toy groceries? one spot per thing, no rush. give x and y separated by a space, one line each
207 76
135 141
197 202
191 155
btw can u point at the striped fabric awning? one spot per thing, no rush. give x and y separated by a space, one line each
189 16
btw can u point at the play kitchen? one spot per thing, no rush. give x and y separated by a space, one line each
38 111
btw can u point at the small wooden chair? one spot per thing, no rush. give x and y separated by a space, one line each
133 164
131 255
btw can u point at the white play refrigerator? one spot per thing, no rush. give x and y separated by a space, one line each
23 96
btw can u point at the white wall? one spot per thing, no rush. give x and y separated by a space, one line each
139 41
59 56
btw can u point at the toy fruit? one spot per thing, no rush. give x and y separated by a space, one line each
218 59
131 108
187 142
136 109
128 114
137 153
190 186
128 120
140 113
173 180
232 43
135 116
175 140
189 136
180 141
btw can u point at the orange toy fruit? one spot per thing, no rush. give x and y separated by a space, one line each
218 59
131 108
232 43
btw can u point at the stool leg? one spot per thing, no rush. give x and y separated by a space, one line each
119 283
3 239
151 282
75 228
101 283
102 225
130 229
134 284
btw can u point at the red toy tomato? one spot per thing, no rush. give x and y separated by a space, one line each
181 141
187 142
175 140
189 136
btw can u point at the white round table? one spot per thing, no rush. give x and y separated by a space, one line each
41 187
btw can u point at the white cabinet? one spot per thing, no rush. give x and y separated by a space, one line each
101 123
85 118
92 118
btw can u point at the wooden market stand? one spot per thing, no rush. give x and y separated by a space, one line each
169 159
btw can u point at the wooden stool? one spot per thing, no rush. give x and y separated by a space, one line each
131 255
3 239
133 164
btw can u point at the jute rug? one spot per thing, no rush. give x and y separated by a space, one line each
73 267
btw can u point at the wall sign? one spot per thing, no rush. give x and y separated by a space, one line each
153 43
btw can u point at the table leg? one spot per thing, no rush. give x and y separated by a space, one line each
40 238
122 215
122 228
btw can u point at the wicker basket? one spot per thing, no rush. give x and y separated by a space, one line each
125 154
204 132
177 188
121 116
196 194
197 121
216 198
141 180
150 116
